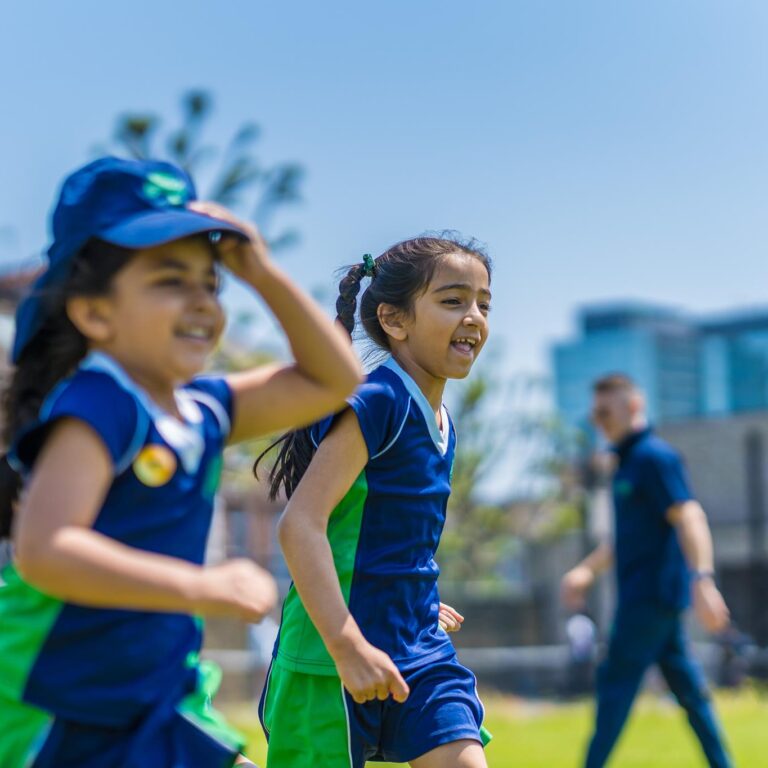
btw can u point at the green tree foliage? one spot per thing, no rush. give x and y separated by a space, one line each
478 532
506 423
241 181
470 546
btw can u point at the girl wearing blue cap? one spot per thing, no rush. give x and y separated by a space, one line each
363 668
117 443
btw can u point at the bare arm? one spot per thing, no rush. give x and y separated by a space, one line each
326 370
600 559
695 538
579 580
366 672
58 552
694 535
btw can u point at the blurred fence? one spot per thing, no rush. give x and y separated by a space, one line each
528 671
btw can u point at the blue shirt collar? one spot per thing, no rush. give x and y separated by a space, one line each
625 445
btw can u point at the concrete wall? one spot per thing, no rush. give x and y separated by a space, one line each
727 459
729 479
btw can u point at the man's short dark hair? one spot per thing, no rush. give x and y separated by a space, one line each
614 382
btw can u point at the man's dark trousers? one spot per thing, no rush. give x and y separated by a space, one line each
643 635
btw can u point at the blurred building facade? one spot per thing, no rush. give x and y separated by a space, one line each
656 346
727 461
734 363
688 366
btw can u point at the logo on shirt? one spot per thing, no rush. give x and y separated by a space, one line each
212 478
155 465
623 487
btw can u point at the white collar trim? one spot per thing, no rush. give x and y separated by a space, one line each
185 436
440 434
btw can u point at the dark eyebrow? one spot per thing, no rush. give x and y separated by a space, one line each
175 264
460 287
168 263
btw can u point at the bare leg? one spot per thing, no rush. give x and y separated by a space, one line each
464 753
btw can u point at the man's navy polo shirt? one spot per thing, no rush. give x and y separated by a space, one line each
650 566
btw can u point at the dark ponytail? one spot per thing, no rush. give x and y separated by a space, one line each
346 303
52 355
398 277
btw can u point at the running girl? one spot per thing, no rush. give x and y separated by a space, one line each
120 451
363 669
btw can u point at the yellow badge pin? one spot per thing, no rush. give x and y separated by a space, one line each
155 465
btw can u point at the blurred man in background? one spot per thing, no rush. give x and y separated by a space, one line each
662 552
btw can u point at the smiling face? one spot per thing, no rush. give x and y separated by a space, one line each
161 318
448 323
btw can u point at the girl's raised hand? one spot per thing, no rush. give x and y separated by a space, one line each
237 589
246 259
449 618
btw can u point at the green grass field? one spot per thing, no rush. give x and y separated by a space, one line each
540 735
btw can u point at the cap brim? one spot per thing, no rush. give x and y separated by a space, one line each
159 227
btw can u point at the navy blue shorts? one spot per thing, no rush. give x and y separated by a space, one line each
181 744
443 706
183 731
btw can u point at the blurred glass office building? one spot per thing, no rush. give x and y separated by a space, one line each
734 355
657 346
689 367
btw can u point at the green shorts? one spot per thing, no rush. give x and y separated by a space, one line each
305 720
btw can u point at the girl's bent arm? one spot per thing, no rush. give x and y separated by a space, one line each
59 553
271 398
365 671
303 530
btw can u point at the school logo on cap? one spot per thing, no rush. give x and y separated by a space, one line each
165 186
155 465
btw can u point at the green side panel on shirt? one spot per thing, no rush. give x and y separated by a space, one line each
26 617
197 707
23 733
301 647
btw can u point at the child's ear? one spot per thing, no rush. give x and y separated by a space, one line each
393 321
91 316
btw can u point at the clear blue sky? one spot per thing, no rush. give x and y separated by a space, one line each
601 149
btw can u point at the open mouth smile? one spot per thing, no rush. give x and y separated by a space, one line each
195 333
465 344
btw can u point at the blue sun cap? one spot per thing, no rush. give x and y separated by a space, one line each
130 203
